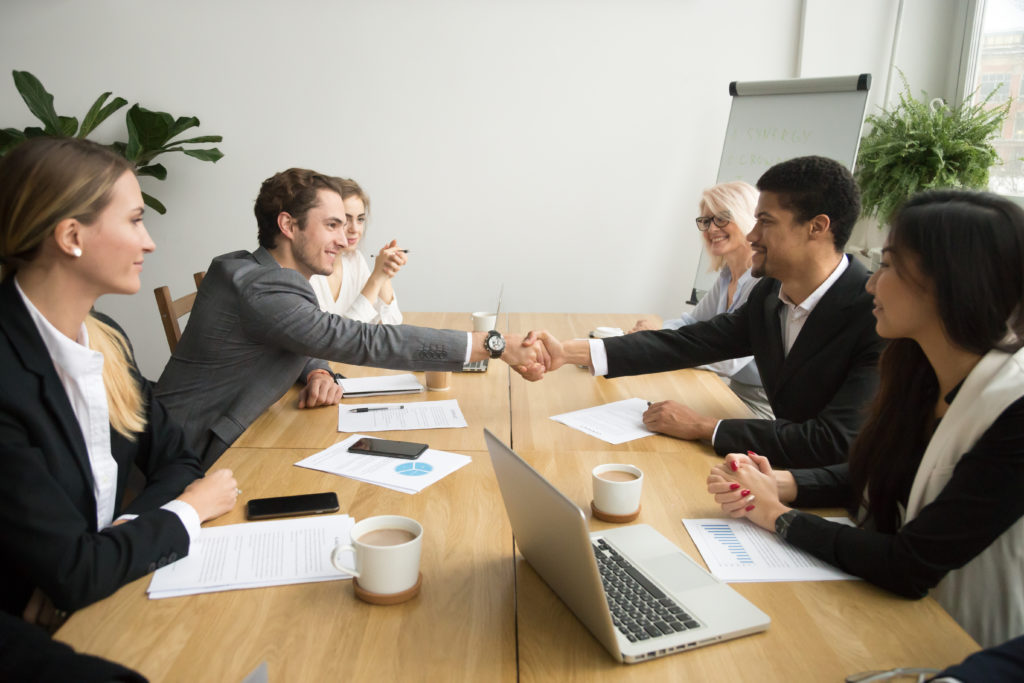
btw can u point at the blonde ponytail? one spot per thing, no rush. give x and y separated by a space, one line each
124 396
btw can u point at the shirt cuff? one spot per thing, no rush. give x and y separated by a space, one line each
469 347
188 516
715 433
598 358
126 517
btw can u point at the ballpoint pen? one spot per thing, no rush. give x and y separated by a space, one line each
404 251
370 410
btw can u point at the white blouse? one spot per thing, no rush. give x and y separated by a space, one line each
350 302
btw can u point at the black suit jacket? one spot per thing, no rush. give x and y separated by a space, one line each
48 534
818 392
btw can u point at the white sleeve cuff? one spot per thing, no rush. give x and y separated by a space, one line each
362 310
469 347
188 516
598 358
715 433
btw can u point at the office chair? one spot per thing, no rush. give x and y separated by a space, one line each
172 309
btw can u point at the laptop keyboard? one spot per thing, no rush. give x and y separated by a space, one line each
476 366
640 610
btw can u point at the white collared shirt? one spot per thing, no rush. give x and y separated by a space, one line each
80 370
793 316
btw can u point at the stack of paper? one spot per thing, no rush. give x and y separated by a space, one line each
739 550
385 417
398 474
616 422
384 385
256 554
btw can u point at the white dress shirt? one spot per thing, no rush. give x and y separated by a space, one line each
80 370
351 303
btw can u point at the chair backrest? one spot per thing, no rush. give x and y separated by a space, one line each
173 309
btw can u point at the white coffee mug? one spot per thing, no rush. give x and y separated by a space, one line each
387 553
617 488
484 322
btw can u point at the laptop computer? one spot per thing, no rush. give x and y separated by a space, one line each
645 584
481 365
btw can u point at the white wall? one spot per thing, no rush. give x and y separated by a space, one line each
557 146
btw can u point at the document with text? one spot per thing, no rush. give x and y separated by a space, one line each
615 423
256 554
382 385
737 550
384 417
398 474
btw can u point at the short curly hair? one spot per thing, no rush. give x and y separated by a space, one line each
294 192
812 185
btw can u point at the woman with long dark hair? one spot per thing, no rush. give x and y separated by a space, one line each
936 475
75 414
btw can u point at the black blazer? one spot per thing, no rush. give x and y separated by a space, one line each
818 392
48 534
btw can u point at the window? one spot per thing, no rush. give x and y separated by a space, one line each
1000 64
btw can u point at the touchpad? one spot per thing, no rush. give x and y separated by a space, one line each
677 572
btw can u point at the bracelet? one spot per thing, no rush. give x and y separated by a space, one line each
783 521
313 372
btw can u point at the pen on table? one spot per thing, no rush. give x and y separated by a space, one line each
649 404
370 410
404 251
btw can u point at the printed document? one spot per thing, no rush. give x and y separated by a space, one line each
398 474
256 554
384 417
383 385
738 550
615 423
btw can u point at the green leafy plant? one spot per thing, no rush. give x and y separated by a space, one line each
150 133
916 146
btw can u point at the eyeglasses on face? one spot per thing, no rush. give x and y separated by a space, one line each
704 222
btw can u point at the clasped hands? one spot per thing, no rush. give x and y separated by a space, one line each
746 486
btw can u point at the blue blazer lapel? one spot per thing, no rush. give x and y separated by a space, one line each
28 345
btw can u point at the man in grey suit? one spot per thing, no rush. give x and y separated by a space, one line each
256 329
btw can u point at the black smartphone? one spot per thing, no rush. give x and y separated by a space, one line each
291 506
391 449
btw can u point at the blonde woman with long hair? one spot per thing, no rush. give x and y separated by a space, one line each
75 414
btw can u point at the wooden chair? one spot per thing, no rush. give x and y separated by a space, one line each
172 309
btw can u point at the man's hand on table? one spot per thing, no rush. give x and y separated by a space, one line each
675 419
320 390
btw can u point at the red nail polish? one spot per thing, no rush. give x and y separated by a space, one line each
749 508
744 493
733 487
751 453
734 466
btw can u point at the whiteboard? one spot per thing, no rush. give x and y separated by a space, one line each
771 121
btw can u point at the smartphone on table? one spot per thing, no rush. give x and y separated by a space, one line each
291 506
388 448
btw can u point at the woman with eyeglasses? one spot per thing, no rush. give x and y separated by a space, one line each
75 414
936 474
727 215
353 290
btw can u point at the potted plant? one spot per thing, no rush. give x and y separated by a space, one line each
920 145
150 133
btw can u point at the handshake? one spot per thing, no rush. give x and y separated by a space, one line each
539 352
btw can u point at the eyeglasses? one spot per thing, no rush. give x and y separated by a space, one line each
704 222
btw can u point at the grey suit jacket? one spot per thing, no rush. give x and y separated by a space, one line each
255 329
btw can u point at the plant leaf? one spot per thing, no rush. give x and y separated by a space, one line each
154 203
68 126
198 140
39 102
9 139
148 132
154 170
98 113
213 154
35 132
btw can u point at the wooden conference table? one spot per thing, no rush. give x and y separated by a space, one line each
483 614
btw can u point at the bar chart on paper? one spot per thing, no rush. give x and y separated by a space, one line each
737 550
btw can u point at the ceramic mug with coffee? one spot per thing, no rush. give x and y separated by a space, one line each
617 489
387 554
484 322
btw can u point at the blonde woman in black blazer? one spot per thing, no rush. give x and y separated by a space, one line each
75 418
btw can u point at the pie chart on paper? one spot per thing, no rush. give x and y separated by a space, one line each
413 469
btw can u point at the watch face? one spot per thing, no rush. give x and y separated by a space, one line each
495 343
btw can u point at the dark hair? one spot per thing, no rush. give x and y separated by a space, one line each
969 248
809 186
294 192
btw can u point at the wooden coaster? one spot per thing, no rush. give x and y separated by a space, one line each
614 519
387 598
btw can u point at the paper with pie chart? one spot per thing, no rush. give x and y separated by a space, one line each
398 474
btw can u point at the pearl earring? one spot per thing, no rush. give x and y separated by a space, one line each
76 252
